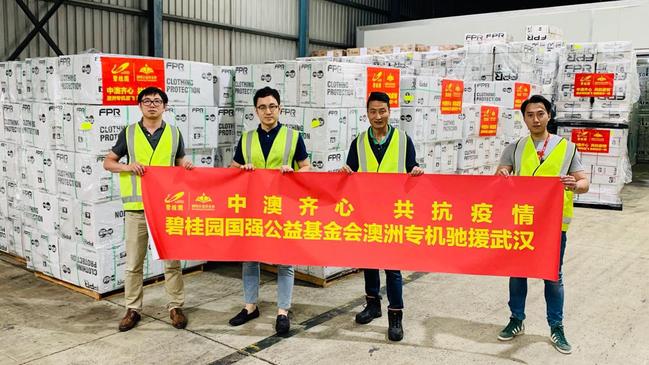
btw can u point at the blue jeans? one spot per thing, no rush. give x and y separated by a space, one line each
285 274
553 294
394 284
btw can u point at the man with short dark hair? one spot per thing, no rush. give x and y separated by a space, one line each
382 148
271 146
543 154
149 142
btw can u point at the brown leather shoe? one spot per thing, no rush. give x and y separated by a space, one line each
129 321
178 319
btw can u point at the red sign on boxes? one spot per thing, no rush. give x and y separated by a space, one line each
521 93
592 140
124 77
385 80
452 93
594 85
488 120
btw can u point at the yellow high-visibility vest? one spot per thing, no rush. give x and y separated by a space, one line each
557 163
140 150
281 152
394 159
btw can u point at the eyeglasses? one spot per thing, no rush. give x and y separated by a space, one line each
154 102
271 107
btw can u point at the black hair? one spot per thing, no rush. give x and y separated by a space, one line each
152 90
264 92
537 99
378 96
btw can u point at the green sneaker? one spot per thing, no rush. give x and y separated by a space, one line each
559 340
513 329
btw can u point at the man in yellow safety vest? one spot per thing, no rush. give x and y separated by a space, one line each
270 146
382 148
149 142
543 154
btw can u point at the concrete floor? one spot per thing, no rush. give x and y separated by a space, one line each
449 319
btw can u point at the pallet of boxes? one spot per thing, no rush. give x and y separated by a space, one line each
597 89
63 210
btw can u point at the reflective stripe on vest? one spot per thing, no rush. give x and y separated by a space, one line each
140 150
394 159
557 163
281 152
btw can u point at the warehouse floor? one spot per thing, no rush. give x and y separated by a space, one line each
449 319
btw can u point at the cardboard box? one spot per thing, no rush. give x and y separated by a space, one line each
579 53
419 124
9 157
69 209
420 91
500 93
12 122
101 224
8 86
63 131
45 82
332 85
80 78
4 85
43 250
325 130
82 176
226 134
357 122
201 157
468 154
100 270
203 127
328 161
14 235
442 157
616 50
37 125
97 127
223 86
512 124
189 83
223 156
543 33
178 116
282 76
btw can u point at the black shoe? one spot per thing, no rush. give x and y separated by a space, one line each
395 329
282 324
244 317
372 310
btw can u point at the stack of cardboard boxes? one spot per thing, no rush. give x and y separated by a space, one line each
599 125
62 211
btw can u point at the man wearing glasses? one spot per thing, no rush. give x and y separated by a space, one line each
149 142
382 148
270 146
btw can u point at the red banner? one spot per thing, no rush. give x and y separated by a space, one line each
452 95
594 85
386 80
488 120
592 140
486 225
124 77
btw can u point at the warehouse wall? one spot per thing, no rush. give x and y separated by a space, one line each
74 28
193 29
605 21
